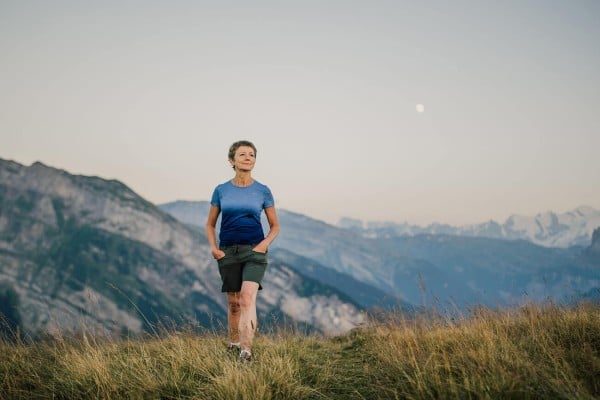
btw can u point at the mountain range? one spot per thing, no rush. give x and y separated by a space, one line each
450 270
549 229
81 251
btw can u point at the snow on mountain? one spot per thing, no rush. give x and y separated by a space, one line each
555 230
548 229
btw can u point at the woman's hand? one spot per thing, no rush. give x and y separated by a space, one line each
218 254
260 248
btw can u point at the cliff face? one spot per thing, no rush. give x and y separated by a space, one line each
594 249
84 251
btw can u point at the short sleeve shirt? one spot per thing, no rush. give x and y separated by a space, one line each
241 208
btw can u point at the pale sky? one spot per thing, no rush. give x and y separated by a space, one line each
152 93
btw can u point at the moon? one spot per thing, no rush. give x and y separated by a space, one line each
420 108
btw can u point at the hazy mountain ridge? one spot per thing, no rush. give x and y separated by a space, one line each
82 250
303 234
491 271
307 237
312 239
425 268
76 248
549 229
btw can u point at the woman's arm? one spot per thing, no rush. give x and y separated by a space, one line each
273 231
211 235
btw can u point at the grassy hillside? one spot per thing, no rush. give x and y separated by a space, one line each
536 352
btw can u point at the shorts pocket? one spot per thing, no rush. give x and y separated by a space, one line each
225 262
259 257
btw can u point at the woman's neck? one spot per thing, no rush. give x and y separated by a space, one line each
242 179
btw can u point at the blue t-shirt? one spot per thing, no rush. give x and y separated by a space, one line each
240 212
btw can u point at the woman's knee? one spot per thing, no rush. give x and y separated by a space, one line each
246 299
234 306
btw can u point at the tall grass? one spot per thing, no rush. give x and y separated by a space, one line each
536 352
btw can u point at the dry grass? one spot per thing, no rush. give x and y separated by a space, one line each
537 352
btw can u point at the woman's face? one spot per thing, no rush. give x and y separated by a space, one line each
244 158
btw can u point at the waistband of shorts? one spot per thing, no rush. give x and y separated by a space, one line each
238 246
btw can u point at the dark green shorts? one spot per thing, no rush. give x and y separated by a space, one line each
240 264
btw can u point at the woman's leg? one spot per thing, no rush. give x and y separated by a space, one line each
233 316
247 318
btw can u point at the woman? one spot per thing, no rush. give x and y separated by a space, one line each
242 250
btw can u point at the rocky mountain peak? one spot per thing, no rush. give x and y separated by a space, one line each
595 246
596 236
82 251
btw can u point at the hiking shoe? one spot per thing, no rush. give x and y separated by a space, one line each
245 356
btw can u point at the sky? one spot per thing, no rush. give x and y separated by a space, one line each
153 93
